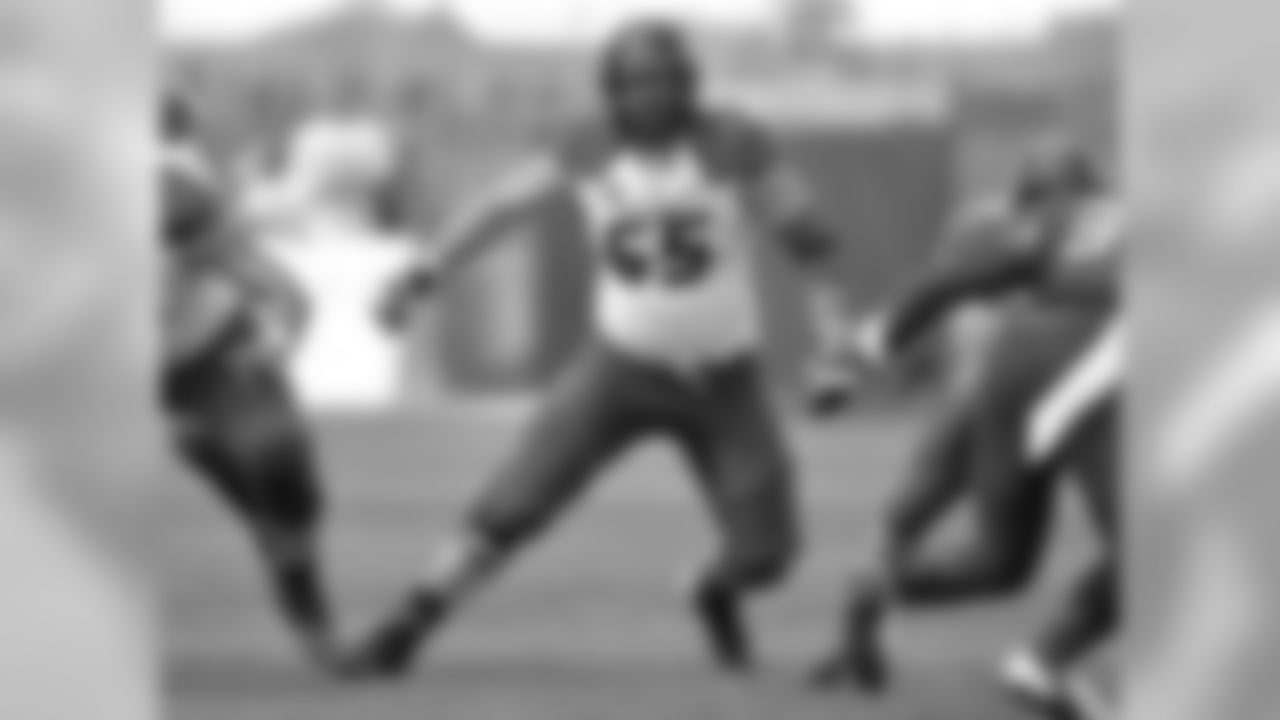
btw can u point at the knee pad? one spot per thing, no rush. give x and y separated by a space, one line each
502 532
1011 570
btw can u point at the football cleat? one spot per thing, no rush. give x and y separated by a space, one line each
1031 684
391 650
719 613
861 662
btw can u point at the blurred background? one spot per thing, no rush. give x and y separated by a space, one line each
1202 143
78 432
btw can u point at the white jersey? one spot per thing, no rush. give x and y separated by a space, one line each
673 238
347 360
677 278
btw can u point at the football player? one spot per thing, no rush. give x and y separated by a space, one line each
230 319
1058 252
674 194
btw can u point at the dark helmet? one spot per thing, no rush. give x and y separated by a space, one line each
650 81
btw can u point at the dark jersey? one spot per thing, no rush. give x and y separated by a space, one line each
1067 267
218 287
201 305
192 199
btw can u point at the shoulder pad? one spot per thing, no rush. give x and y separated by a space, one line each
583 146
736 145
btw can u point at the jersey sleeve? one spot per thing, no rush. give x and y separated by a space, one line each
530 180
192 202
580 148
775 189
783 195
987 255
778 189
1088 268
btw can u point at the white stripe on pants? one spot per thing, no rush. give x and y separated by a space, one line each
1088 382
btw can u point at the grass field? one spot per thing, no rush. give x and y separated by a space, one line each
591 625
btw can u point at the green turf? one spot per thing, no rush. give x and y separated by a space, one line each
591 625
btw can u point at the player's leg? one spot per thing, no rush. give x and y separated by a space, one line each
936 482
1012 495
256 441
1013 507
1089 383
588 418
932 488
288 549
291 522
1013 516
933 484
187 396
731 436
1045 677
1012 504
1094 613
1090 613
1077 426
213 463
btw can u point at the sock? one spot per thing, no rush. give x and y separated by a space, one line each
871 597
1086 620
1027 671
460 567
298 580
1030 673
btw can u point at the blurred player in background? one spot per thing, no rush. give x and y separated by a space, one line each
321 223
1058 251
673 195
231 319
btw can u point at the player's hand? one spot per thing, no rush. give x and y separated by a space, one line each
278 336
396 311
867 344
845 365
832 384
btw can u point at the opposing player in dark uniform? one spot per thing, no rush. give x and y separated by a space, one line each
1058 252
673 196
230 318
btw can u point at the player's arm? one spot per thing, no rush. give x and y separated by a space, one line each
191 203
981 269
1091 272
487 219
1097 281
287 310
222 239
789 210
